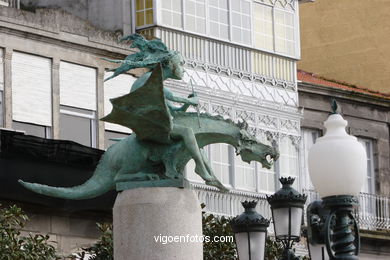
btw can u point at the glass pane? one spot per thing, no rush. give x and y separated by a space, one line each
177 22
235 5
281 221
224 31
140 18
242 245
76 129
245 7
149 16
223 4
201 25
257 240
166 5
246 22
190 7
201 10
176 6
30 129
190 23
223 17
213 14
139 5
236 20
166 17
148 4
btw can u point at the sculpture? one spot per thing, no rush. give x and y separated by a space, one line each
165 137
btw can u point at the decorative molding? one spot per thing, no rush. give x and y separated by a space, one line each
287 4
267 121
249 117
242 75
288 125
224 111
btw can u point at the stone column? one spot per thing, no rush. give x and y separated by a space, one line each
100 129
8 88
157 223
55 79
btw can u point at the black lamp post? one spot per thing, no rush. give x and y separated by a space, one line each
250 231
287 211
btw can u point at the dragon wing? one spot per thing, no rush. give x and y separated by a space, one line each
144 110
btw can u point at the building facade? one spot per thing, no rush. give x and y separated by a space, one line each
240 58
367 113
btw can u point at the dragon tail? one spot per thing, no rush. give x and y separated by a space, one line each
100 183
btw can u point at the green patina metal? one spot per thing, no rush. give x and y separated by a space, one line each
165 136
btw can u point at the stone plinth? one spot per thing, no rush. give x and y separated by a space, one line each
157 223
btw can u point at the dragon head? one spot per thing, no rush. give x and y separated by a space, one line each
250 149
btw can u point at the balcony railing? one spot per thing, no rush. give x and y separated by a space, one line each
10 3
373 212
229 204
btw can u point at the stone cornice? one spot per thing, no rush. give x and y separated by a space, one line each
304 87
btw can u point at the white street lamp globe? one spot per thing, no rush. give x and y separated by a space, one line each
337 161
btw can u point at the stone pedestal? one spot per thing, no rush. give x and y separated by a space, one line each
157 223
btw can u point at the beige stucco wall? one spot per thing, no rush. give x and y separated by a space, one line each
347 40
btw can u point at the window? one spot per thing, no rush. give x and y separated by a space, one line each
266 177
284 32
78 125
288 160
241 21
369 182
32 129
263 27
195 16
309 137
244 174
219 19
78 103
172 13
274 29
31 93
221 162
144 12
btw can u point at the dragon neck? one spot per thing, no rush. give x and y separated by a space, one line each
213 129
